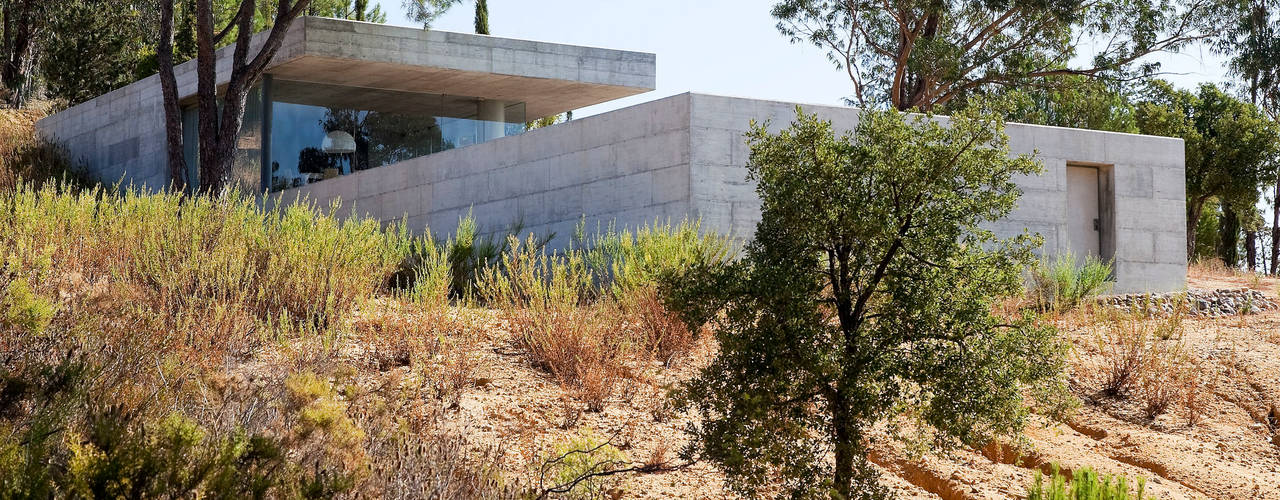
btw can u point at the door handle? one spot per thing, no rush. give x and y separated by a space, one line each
1097 226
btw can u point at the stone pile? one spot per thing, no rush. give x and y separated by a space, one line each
1198 302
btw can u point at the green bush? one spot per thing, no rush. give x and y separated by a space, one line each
294 262
1085 485
1064 282
581 458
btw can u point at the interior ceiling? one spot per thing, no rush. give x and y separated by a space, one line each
372 99
542 96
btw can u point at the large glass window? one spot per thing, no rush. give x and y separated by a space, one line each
322 131
296 133
246 166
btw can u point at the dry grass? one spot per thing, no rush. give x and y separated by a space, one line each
593 318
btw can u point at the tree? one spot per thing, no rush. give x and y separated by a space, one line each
217 127
1231 148
96 46
426 12
355 10
1254 42
1071 101
866 294
923 53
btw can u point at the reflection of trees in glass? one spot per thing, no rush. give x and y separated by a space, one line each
314 161
386 138
350 121
394 138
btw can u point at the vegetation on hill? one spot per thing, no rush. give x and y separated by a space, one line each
867 295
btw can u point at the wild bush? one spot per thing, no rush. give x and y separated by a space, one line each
1085 484
294 263
870 287
576 465
25 157
1139 354
1064 282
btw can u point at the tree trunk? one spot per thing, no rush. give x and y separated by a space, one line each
218 128
19 36
212 178
1194 209
1275 229
846 450
1251 250
1229 236
172 112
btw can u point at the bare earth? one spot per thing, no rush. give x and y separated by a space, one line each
1229 453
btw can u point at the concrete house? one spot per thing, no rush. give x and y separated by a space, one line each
402 122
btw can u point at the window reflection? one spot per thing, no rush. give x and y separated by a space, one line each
324 131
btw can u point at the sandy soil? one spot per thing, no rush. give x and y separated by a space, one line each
1228 454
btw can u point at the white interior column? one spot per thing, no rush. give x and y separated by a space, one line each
494 115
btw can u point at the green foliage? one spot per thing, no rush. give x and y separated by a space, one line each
867 294
281 264
909 54
581 456
96 46
627 260
1086 485
1231 147
1064 282
1071 101
427 11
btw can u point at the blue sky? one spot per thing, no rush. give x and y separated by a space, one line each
728 47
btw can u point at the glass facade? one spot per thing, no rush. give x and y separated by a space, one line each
321 131
246 167
296 133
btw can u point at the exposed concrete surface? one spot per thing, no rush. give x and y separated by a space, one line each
120 136
685 156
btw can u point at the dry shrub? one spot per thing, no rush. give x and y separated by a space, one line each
1148 360
25 157
663 332
591 317
581 346
1131 346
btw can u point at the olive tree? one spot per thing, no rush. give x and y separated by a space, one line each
866 296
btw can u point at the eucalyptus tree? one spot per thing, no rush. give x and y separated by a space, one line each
1254 45
867 295
1232 149
924 53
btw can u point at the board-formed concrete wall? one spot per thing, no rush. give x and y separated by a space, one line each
685 156
120 136
629 167
1147 172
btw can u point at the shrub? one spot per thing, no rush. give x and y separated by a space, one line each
546 299
1086 485
576 463
870 287
201 253
25 157
1064 282
1138 354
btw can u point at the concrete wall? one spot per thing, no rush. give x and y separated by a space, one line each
629 167
120 136
1148 184
685 155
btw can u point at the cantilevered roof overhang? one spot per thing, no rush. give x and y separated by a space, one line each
549 78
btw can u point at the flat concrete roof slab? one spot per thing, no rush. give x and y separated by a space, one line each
549 78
